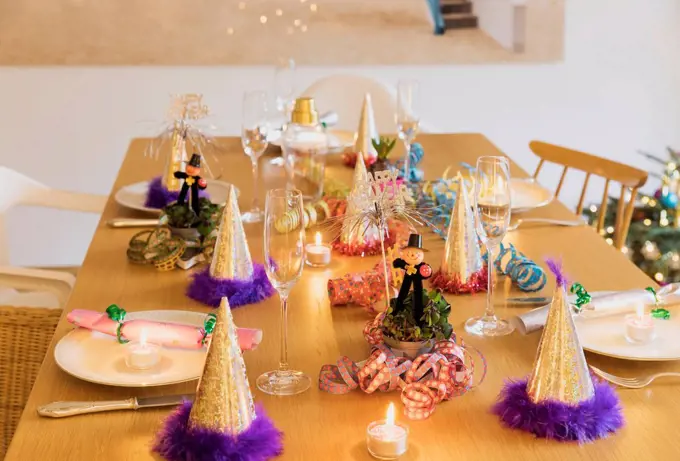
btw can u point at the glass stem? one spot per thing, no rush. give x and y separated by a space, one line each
256 173
489 312
407 161
283 362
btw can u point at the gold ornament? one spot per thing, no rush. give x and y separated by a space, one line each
367 131
223 401
231 258
560 370
462 255
362 231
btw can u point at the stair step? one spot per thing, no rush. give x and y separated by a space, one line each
460 20
455 6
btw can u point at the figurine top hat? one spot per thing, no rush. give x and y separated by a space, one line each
195 161
416 241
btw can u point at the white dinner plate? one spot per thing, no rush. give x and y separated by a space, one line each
100 359
527 194
605 336
337 139
134 195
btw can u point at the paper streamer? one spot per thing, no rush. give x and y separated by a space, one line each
525 273
161 333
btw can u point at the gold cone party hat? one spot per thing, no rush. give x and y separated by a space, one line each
175 161
560 371
223 399
356 232
367 130
462 255
231 258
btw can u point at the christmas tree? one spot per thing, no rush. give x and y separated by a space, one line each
653 241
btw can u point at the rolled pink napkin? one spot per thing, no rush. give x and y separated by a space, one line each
602 304
161 333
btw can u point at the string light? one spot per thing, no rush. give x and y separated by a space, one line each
263 19
645 199
647 222
303 28
658 277
230 31
609 241
593 208
313 7
610 229
279 12
652 202
297 23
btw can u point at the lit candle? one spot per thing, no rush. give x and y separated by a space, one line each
639 326
387 439
318 254
142 355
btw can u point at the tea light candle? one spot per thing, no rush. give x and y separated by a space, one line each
318 254
142 355
639 326
387 439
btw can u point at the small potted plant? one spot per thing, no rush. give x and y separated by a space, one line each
402 332
383 147
184 222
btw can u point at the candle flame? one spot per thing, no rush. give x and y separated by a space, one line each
317 238
640 309
142 337
389 420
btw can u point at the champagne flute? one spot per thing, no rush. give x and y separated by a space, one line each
254 141
492 218
284 254
284 98
407 120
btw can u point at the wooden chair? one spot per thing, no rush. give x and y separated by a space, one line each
631 179
25 336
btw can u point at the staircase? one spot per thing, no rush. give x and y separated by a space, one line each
457 14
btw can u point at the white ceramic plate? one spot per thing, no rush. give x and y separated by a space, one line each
527 194
100 359
337 139
134 195
605 336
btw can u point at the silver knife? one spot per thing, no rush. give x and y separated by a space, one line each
536 301
130 222
64 409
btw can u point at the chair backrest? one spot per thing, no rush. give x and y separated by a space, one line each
18 189
344 94
631 179
25 335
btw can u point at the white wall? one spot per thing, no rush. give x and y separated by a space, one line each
618 90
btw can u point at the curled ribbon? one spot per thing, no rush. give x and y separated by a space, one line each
658 312
582 296
117 314
429 379
208 326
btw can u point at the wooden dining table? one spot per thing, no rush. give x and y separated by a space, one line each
322 426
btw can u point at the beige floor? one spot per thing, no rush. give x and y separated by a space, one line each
219 32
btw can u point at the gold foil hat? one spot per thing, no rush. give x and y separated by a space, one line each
304 112
175 160
367 131
231 258
560 370
462 254
223 399
354 233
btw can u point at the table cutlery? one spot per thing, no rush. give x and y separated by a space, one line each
130 222
631 383
554 222
64 409
528 302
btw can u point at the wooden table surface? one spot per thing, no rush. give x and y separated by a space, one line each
317 425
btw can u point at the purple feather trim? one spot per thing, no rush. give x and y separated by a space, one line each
209 290
555 267
592 419
157 196
176 442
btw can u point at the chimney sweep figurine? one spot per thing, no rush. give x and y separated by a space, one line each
191 180
415 271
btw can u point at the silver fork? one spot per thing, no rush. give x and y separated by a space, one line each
632 383
554 222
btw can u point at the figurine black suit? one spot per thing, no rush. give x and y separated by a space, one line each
415 272
191 180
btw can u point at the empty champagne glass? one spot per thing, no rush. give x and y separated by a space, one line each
284 254
492 218
407 119
284 98
254 141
